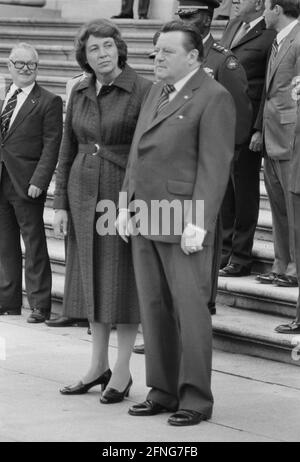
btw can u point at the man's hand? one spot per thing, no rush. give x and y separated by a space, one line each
256 142
192 239
34 192
60 223
122 224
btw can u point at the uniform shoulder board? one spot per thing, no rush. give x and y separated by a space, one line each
220 49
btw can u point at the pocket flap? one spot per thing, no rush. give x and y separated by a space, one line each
288 117
180 187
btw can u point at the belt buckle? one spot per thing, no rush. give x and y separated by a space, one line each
97 149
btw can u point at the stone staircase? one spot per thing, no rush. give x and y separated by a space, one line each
247 311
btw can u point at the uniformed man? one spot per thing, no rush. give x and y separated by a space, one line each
222 65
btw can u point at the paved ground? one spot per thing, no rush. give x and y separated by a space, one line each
255 400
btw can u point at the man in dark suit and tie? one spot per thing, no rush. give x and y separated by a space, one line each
180 156
31 129
250 41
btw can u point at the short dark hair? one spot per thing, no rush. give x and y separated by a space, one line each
290 8
193 38
99 28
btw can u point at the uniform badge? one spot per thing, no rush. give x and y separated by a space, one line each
232 63
209 72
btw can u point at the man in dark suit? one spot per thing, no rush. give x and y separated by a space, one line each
127 9
226 69
179 158
31 129
248 38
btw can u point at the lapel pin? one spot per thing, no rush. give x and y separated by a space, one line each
186 97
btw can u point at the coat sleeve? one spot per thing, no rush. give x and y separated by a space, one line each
52 134
67 155
233 77
215 154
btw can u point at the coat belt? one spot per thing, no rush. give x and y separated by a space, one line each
115 153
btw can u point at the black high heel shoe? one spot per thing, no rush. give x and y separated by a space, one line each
80 388
114 396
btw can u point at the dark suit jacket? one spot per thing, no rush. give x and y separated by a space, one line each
252 52
30 147
185 152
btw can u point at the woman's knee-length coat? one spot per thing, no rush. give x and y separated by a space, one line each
99 270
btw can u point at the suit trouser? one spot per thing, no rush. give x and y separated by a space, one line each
173 292
127 7
25 216
296 229
240 208
215 265
277 184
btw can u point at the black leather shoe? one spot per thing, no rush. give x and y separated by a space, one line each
11 311
146 408
234 270
139 349
81 388
292 328
268 278
184 417
122 16
38 316
64 321
111 395
286 281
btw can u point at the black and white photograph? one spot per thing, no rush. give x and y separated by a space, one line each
149 224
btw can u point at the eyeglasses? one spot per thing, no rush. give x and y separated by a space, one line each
21 64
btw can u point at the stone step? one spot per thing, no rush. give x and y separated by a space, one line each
62 33
55 58
57 84
235 330
245 332
70 27
248 294
68 69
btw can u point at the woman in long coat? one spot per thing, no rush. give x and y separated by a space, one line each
100 123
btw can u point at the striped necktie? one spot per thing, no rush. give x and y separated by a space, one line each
164 97
8 112
274 51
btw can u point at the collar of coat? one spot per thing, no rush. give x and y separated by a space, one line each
125 80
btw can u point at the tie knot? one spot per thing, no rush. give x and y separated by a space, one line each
16 92
169 88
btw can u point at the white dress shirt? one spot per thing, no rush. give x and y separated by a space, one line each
181 83
21 98
285 32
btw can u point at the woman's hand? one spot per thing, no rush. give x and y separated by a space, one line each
60 222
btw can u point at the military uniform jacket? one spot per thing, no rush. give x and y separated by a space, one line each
227 70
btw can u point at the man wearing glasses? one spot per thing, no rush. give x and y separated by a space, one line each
30 136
